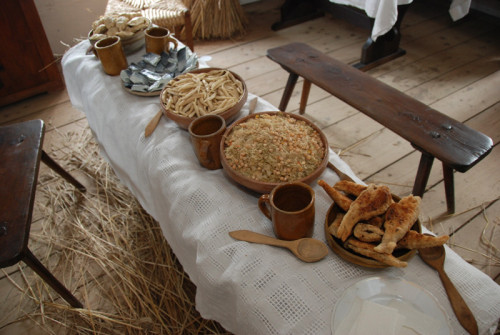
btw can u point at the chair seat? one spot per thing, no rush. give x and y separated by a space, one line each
20 149
171 11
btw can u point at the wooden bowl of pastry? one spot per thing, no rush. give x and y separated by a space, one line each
254 155
210 99
401 254
129 27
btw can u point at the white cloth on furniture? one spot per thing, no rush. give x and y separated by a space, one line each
459 8
385 12
248 288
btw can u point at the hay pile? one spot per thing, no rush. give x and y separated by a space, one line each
110 253
217 19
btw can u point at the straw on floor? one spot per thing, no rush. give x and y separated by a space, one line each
109 252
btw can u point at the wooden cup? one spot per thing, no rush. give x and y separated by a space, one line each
290 207
206 134
110 52
158 40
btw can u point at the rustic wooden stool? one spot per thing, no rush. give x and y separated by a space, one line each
434 134
21 152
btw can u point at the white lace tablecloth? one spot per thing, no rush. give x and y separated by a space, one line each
385 12
248 288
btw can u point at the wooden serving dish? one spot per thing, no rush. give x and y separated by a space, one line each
228 115
266 187
353 257
130 44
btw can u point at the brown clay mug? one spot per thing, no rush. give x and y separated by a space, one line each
158 40
290 207
206 134
110 52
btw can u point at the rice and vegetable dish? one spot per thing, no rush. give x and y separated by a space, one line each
274 148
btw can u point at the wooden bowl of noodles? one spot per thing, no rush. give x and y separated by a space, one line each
203 91
275 147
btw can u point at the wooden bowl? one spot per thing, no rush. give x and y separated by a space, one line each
266 187
228 115
130 44
353 257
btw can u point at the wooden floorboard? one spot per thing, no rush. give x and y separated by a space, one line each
453 67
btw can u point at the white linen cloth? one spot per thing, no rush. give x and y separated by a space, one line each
459 8
385 12
248 288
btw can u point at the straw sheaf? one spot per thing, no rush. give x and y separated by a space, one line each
109 252
218 19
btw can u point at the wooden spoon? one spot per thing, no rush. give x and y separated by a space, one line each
434 257
152 124
306 249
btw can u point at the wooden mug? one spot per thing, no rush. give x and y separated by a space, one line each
158 40
290 207
110 52
206 134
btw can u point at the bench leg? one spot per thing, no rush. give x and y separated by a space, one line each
49 278
306 88
423 172
290 85
63 173
449 188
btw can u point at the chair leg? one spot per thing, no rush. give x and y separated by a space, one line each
423 172
449 188
306 88
290 84
57 168
188 30
45 274
177 32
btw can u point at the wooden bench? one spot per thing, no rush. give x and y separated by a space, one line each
434 134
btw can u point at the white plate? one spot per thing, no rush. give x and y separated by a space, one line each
386 290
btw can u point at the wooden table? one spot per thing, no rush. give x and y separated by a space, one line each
248 288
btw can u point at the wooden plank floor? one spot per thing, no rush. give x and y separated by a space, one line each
453 67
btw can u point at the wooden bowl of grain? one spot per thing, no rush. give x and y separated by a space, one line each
265 149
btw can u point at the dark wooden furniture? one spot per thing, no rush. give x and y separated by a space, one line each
373 53
21 152
434 134
27 65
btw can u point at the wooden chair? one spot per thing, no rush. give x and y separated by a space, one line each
21 152
171 14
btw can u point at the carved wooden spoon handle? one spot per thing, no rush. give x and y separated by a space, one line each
462 311
250 236
152 124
